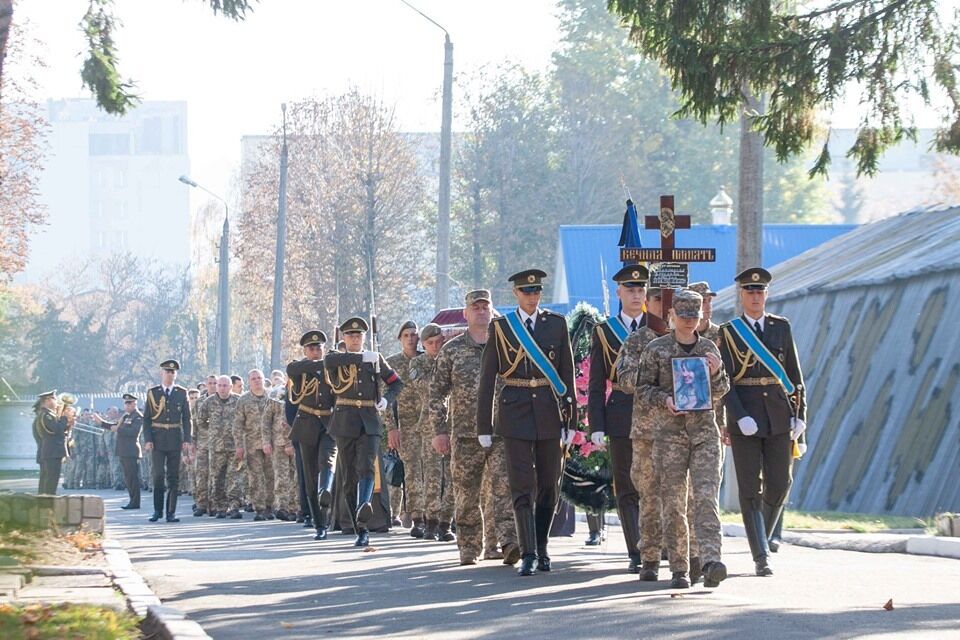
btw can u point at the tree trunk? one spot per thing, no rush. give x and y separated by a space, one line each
750 191
6 17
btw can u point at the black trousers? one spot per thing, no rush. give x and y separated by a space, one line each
316 456
358 455
764 470
131 478
166 476
621 459
49 475
301 488
533 470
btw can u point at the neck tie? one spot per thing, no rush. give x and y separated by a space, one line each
530 325
757 329
633 325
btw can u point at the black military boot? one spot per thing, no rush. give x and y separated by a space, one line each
444 534
199 511
259 517
696 570
714 573
595 526
430 533
417 530
630 522
757 538
650 571
773 519
544 518
323 522
307 522
364 512
527 537
158 505
679 580
172 496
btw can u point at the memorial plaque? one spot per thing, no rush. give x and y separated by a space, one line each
669 275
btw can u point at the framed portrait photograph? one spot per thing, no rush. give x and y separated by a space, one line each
691 384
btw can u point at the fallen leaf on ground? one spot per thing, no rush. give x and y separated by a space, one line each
286 625
369 549
889 605
676 595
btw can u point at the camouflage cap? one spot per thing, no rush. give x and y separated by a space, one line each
686 304
703 288
409 324
430 330
476 296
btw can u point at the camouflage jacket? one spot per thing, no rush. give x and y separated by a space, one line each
655 385
452 396
422 370
628 366
408 402
247 429
274 429
712 333
215 423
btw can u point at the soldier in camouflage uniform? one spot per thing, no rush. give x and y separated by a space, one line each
276 432
188 464
686 442
252 448
201 460
116 471
644 469
453 416
429 501
217 416
401 418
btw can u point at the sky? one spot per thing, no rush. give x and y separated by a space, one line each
234 76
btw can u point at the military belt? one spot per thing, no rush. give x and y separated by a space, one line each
166 425
348 402
529 383
756 382
316 412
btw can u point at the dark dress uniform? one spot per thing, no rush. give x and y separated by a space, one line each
613 416
166 424
311 394
356 423
531 420
756 393
129 452
50 431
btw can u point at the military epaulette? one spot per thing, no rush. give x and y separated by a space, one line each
177 386
156 386
547 312
776 317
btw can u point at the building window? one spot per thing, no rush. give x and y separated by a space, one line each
109 144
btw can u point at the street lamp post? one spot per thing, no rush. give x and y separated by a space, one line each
443 204
277 327
223 298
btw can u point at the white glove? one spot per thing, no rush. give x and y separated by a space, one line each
381 404
371 356
748 426
597 438
485 441
566 436
797 426
802 448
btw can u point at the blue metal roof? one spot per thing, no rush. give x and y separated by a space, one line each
581 248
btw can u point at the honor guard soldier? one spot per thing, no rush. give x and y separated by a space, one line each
610 415
50 427
354 377
166 432
529 350
311 393
127 430
767 409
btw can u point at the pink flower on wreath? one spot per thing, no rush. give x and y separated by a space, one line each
578 439
586 448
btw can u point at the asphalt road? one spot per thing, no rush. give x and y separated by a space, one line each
241 579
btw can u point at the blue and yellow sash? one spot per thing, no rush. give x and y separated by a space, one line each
763 354
619 329
535 353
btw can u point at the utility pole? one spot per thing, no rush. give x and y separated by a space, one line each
281 252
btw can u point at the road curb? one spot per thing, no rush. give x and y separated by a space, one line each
162 621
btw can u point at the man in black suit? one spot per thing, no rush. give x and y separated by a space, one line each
166 432
611 415
311 428
529 350
128 429
767 404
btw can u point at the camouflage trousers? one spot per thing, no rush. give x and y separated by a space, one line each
645 472
258 469
692 467
469 463
116 471
225 490
424 474
186 474
104 481
201 479
285 482
486 506
146 472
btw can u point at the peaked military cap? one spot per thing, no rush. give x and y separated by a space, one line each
754 279
476 296
430 330
528 278
687 303
47 394
632 275
129 397
313 337
409 324
355 324
703 288
170 365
